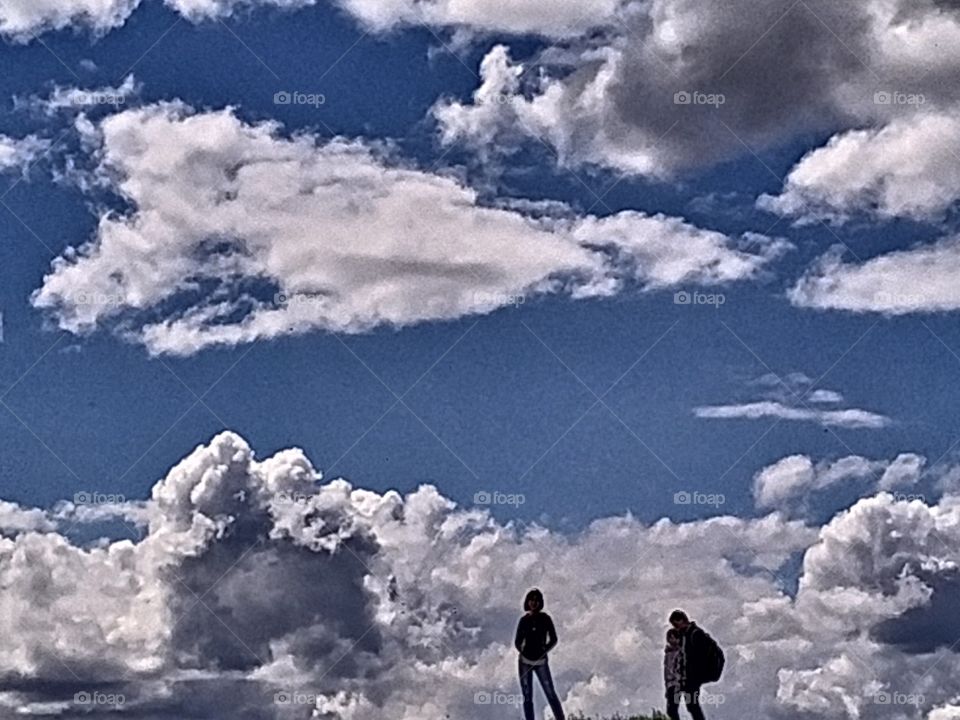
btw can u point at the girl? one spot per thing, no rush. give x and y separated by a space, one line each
536 636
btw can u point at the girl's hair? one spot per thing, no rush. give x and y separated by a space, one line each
673 636
534 594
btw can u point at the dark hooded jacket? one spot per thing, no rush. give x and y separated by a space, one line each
695 655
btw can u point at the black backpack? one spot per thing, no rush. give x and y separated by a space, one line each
712 662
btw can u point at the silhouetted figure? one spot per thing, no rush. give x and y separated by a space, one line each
673 672
536 636
690 652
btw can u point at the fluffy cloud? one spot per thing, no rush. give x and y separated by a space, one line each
683 83
237 233
794 478
559 19
256 584
610 97
23 19
17 154
917 280
908 168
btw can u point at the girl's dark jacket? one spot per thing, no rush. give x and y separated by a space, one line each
536 636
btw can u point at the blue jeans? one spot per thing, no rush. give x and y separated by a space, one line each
546 682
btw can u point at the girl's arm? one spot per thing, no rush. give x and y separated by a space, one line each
518 640
552 638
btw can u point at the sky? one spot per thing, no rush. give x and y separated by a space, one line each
346 322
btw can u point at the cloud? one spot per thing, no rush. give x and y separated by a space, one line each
790 397
236 233
18 154
921 279
847 418
908 168
200 10
659 88
794 387
827 397
559 19
682 84
793 479
904 471
22 20
81 100
15 519
260 592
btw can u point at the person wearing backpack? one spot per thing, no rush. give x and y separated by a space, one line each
701 661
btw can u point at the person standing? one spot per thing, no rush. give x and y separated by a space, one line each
536 636
701 661
673 673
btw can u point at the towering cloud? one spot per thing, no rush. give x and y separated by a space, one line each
257 591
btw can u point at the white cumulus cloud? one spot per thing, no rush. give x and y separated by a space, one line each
254 579
794 478
921 279
909 168
238 233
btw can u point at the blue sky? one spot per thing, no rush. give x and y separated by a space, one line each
497 394
646 303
